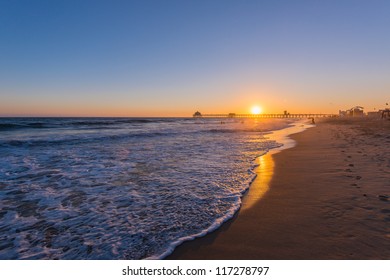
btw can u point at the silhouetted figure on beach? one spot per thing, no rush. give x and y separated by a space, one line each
312 121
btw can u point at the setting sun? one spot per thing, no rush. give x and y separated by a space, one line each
256 110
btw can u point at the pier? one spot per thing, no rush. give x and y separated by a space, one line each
283 115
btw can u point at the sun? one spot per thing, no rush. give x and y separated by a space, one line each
256 110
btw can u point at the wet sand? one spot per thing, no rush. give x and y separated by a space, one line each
326 198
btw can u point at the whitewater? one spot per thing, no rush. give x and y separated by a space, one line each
122 188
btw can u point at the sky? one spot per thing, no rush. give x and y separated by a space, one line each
171 58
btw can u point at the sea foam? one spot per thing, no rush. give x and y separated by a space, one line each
122 188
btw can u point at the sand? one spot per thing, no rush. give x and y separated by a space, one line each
326 198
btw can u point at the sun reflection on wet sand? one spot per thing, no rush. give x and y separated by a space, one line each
265 170
260 185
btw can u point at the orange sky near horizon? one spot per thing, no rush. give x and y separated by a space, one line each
241 102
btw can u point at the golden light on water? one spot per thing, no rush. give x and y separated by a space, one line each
256 110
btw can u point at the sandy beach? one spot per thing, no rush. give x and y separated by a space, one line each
326 198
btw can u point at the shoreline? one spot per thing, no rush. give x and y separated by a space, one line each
263 175
248 196
328 199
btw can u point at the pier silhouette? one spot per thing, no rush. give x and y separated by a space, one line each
282 115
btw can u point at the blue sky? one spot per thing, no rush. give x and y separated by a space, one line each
170 58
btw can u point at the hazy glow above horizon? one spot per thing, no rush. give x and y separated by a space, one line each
171 58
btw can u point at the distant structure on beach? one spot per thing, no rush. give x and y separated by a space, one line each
356 111
373 114
385 113
197 114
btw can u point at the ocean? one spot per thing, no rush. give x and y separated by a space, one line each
122 188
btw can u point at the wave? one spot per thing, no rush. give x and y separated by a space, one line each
90 123
234 130
138 121
80 140
93 122
149 184
235 207
9 126
15 126
104 123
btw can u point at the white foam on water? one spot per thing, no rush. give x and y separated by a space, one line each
123 189
285 142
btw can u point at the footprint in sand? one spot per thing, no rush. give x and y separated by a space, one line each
355 185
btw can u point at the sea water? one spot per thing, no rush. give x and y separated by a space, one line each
121 188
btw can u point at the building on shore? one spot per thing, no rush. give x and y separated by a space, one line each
356 111
374 114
